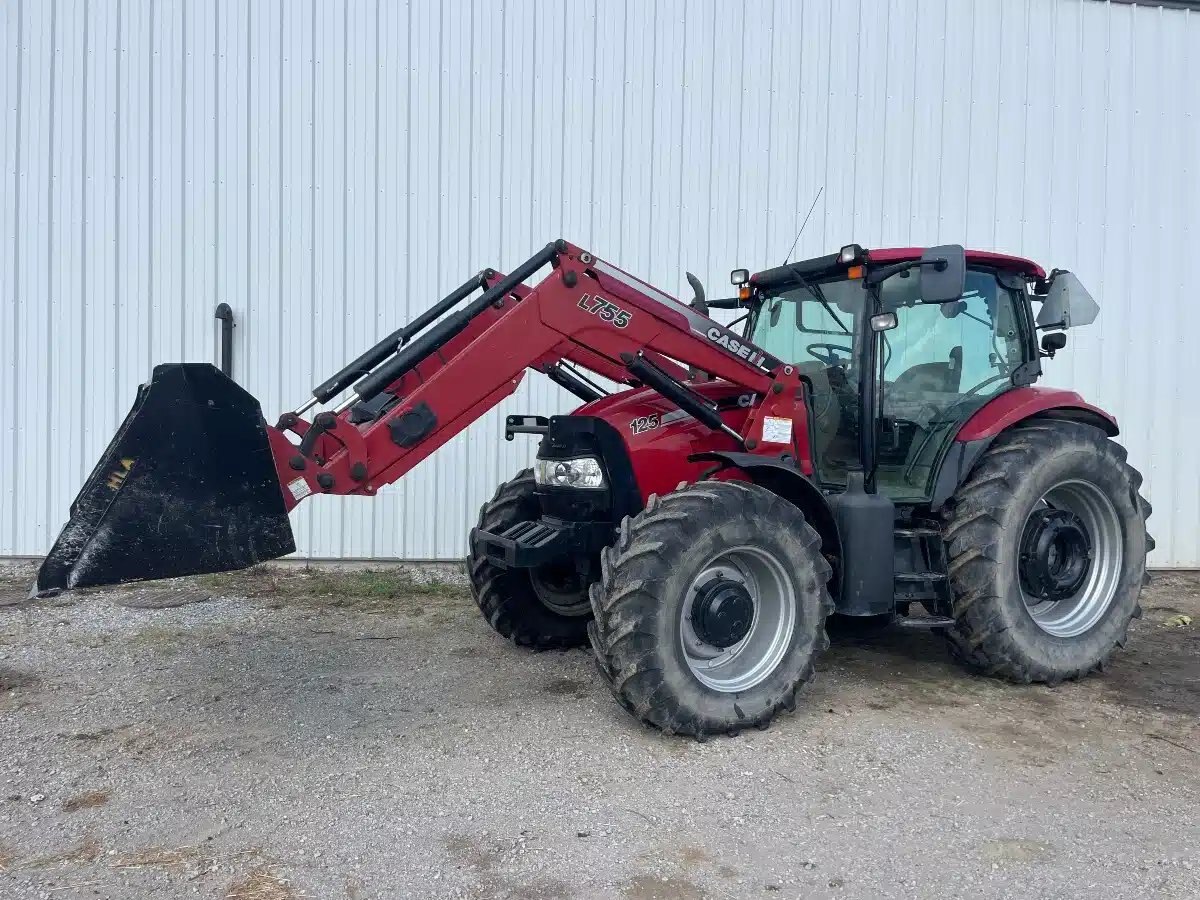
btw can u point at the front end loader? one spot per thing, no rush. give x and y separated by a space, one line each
866 440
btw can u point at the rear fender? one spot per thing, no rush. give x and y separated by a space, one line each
1008 410
790 483
1011 407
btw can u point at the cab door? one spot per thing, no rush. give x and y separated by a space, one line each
941 363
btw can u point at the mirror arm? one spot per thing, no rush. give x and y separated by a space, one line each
877 276
729 303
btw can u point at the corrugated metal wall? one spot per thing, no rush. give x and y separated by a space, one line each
330 168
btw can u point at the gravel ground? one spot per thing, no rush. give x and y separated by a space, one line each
290 734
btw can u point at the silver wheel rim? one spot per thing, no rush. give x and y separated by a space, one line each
752 659
1076 614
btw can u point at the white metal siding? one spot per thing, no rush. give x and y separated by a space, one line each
330 168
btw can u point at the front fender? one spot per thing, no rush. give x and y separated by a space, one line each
790 483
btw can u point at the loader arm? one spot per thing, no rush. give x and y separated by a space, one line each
586 312
196 481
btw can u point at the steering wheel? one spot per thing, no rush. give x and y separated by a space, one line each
830 358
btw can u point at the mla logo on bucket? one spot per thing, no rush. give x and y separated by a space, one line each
116 477
736 347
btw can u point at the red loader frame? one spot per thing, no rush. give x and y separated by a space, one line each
195 481
587 313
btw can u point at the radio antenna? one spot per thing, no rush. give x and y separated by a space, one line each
805 223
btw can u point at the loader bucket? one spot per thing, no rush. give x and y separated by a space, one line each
187 486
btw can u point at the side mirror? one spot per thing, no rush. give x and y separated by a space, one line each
1052 343
943 273
1068 303
884 321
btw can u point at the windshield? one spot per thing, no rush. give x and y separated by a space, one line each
795 325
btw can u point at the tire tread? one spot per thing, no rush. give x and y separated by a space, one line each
503 598
626 606
972 526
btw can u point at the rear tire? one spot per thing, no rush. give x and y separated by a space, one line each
675 557
1004 626
542 609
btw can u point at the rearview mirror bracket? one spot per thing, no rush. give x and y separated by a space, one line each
1066 304
944 273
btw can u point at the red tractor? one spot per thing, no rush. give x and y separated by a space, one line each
865 439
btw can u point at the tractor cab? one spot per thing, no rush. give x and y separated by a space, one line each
897 352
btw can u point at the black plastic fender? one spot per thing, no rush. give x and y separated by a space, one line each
787 481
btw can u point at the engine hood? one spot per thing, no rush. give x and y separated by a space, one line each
660 437
620 409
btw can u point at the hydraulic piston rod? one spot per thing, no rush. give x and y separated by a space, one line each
334 385
444 330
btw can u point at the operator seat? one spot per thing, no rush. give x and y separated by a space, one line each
934 378
931 389
823 396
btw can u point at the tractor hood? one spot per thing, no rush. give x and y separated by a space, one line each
623 408
660 437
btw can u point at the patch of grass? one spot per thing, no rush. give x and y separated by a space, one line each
173 859
261 884
87 850
172 639
361 590
87 800
160 638
235 580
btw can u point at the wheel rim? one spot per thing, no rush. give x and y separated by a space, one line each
1084 595
560 589
712 616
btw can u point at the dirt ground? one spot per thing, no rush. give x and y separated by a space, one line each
292 734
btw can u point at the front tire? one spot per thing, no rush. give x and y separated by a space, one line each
1047 552
711 609
543 609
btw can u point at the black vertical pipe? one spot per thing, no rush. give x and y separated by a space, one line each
225 361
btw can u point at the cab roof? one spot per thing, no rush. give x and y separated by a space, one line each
822 266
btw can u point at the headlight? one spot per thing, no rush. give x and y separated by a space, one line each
584 472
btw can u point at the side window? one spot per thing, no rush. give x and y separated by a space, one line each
940 364
960 349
